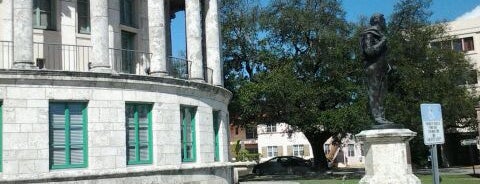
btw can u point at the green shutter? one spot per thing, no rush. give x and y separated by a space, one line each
216 127
188 134
139 134
68 135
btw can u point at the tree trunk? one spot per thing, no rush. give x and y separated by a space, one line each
316 141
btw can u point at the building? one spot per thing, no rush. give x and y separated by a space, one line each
280 139
89 94
348 153
246 137
466 38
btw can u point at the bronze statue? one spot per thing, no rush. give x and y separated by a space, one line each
374 48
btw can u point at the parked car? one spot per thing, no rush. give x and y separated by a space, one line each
283 165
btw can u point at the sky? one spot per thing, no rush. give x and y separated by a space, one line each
443 10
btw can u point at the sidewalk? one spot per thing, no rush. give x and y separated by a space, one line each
348 173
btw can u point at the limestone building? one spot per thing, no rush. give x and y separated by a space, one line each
90 94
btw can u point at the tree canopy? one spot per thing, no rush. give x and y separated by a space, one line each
298 62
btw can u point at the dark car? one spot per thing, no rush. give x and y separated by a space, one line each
283 165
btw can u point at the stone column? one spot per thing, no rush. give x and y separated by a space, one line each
387 157
194 39
213 42
23 34
157 37
99 36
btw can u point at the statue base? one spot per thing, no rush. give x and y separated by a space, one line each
387 126
387 159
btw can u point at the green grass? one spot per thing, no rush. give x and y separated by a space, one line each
426 179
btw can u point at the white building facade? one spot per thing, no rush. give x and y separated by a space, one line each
279 139
90 94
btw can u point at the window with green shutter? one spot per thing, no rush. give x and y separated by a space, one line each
187 115
83 7
44 14
68 135
139 133
216 127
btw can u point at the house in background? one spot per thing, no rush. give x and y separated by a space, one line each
246 137
280 139
348 153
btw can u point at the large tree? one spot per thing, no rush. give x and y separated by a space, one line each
425 74
298 62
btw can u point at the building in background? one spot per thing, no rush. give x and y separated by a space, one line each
245 138
90 94
279 139
463 36
347 153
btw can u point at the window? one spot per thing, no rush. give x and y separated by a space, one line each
83 7
44 14
128 55
326 148
216 138
187 115
139 133
461 44
271 128
468 44
251 132
298 150
127 13
272 151
362 151
351 150
68 135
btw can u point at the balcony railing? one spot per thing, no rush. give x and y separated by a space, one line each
179 68
6 54
61 56
50 56
130 61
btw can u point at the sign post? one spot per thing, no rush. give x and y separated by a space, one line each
432 123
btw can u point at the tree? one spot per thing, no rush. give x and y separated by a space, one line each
425 74
298 62
307 76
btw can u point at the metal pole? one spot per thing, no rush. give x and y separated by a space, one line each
436 174
471 158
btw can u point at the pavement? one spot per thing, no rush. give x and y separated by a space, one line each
341 173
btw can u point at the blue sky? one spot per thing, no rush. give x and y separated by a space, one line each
442 10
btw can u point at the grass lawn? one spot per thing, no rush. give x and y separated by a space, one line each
426 179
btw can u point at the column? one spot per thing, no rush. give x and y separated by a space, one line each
23 34
194 39
213 42
99 36
157 37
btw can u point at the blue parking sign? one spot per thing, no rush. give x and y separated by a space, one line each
432 123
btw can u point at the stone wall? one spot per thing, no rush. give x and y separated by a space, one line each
26 96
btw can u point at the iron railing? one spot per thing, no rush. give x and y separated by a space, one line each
208 75
179 68
130 61
63 57
6 54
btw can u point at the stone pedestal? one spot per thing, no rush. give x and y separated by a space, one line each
387 159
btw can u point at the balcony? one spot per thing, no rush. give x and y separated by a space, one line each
62 57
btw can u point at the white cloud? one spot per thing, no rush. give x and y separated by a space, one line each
475 13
